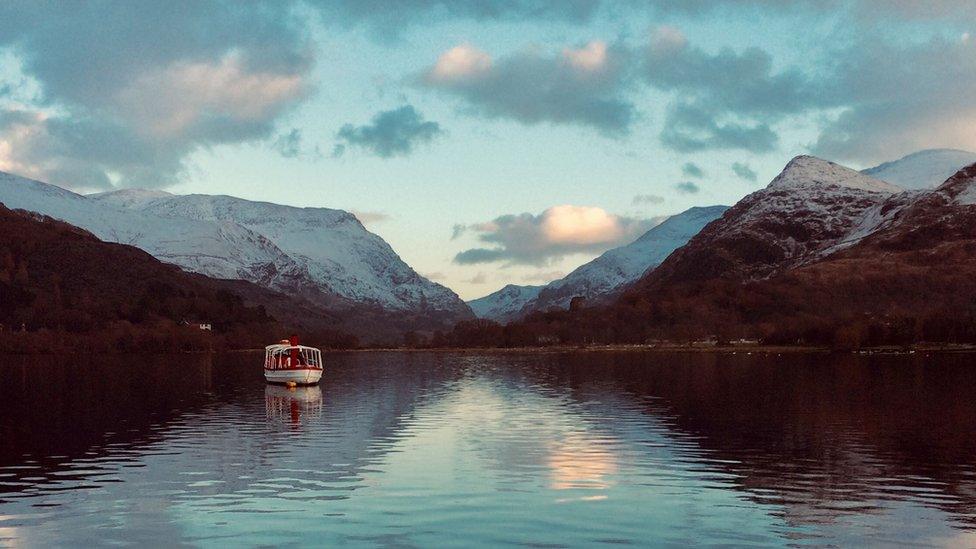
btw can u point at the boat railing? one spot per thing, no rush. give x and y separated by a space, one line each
279 358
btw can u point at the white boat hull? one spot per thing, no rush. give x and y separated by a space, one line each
300 376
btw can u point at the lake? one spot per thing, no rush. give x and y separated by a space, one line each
542 450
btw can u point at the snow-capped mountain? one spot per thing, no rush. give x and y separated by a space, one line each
811 208
909 278
332 246
219 250
808 208
924 169
601 277
505 304
621 266
323 252
928 220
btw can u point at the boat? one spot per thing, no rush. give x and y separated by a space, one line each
289 363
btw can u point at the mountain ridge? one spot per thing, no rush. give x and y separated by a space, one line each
921 170
600 278
363 275
909 277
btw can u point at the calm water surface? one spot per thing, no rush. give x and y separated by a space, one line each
424 450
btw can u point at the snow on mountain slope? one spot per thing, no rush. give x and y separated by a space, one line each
812 172
504 304
923 170
332 246
810 207
219 250
623 265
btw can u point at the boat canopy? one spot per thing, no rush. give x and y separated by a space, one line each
282 356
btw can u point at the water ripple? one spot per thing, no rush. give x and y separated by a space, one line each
535 450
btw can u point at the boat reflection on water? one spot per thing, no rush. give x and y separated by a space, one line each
292 404
555 449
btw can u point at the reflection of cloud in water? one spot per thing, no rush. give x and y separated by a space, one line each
580 462
524 430
408 448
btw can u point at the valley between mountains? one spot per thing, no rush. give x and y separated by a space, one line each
823 254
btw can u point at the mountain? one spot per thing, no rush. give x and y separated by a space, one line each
824 255
331 247
217 250
912 279
505 304
323 256
621 266
930 223
909 276
809 207
924 169
600 278
55 276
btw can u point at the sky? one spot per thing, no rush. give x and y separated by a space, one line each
488 141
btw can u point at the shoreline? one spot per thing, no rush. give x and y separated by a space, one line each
735 349
664 348
563 349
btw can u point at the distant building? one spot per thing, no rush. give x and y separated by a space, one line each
205 326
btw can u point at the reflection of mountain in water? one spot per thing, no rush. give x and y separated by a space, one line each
822 437
132 425
55 410
756 449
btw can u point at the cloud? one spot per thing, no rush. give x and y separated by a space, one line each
459 63
543 277
128 90
723 100
691 169
578 86
436 275
289 145
689 128
744 171
207 98
556 232
367 218
911 9
390 133
687 187
388 19
871 10
457 230
69 152
902 98
479 255
647 199
480 278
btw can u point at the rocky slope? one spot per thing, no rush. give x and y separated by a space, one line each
909 276
219 250
331 246
325 257
56 276
810 207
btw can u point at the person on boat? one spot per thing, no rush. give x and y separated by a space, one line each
296 354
